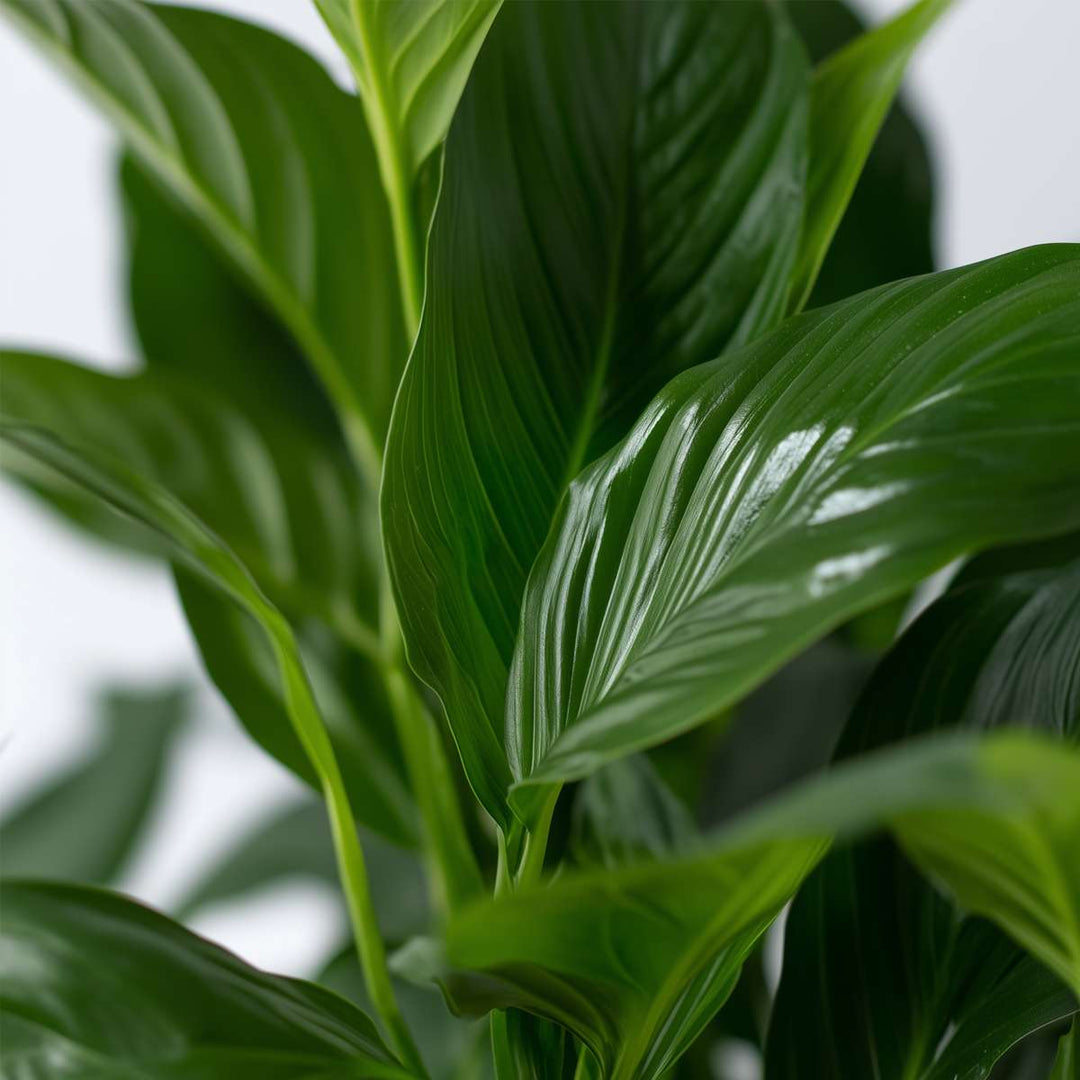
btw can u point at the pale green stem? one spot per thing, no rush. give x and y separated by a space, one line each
307 721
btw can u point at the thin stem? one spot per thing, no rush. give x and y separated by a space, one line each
308 724
532 857
394 166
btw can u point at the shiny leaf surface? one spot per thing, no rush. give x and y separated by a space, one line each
924 992
762 499
621 957
97 986
279 171
84 824
621 200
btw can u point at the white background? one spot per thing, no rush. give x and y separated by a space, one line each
998 90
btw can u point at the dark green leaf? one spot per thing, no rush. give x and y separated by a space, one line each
766 497
886 232
622 198
621 957
851 95
295 843
291 511
923 993
97 987
278 168
84 824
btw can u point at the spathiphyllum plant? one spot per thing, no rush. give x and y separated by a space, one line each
551 437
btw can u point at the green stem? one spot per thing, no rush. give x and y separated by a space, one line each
307 721
394 167
454 873
532 857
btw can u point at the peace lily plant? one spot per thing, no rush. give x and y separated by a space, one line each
545 450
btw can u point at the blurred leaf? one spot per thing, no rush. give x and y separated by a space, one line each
452 1048
279 171
886 231
84 824
204 475
620 957
625 812
1067 1065
766 497
295 843
850 97
622 198
97 986
923 992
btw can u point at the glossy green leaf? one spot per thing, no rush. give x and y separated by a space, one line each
886 232
288 508
621 200
764 498
84 824
280 171
621 957
98 987
851 95
923 992
295 843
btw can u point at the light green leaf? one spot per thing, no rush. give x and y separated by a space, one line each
886 232
99 987
621 200
411 60
620 957
83 825
1067 1064
765 498
939 996
278 169
290 509
851 94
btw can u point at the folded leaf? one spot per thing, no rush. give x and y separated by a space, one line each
764 498
1067 1064
411 62
84 824
938 996
621 200
886 232
280 171
851 94
621 956
94 985
286 506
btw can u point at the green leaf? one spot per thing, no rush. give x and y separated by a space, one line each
286 506
452 1048
96 986
938 996
84 824
295 843
1067 1064
767 497
411 62
886 232
621 200
851 94
621 957
280 172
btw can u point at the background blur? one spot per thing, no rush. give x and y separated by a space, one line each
996 91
